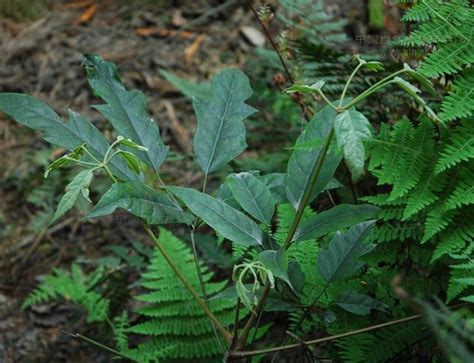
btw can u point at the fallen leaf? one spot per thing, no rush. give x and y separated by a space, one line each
191 50
87 15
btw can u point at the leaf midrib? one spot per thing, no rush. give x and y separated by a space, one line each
221 124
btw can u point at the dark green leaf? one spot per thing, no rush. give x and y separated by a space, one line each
341 260
253 195
276 262
220 132
352 129
276 183
80 182
141 200
334 219
359 304
126 110
78 131
212 252
302 162
229 222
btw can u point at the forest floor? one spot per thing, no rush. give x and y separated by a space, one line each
42 57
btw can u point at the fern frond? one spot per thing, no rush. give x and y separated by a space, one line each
176 326
458 103
75 287
459 148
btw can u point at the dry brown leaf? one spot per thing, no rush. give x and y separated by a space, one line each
191 50
87 15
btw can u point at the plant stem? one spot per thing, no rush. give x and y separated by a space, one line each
243 354
225 333
300 102
289 238
349 80
97 344
382 83
272 42
203 286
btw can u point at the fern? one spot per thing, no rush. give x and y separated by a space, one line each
75 287
310 18
447 27
175 324
459 148
438 207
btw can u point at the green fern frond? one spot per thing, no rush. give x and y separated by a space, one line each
176 327
75 287
459 148
459 103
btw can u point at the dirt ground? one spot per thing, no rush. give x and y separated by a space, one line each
42 57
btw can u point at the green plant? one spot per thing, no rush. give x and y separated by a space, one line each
273 265
445 28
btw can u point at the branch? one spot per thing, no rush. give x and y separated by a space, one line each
300 101
250 353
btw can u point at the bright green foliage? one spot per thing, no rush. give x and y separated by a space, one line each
143 201
176 326
220 132
448 28
75 287
460 148
80 184
126 110
437 203
227 221
302 162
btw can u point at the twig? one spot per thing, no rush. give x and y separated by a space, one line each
97 344
298 97
243 354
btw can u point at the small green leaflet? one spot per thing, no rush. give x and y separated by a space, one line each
341 260
277 263
227 221
302 162
424 82
359 304
188 88
253 196
220 132
37 115
80 184
142 201
352 129
334 219
65 160
126 110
